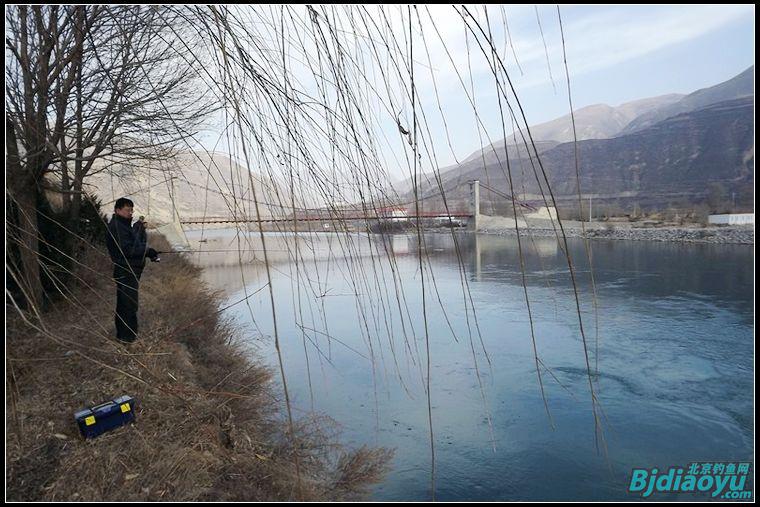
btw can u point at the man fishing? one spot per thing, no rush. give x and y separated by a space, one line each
128 249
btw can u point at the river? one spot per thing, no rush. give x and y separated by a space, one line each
671 362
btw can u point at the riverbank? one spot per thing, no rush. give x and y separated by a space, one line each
210 418
741 235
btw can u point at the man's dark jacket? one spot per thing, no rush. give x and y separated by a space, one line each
126 246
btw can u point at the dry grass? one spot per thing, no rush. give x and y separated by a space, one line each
209 425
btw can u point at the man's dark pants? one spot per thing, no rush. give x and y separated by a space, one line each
127 285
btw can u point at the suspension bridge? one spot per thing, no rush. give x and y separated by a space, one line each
393 213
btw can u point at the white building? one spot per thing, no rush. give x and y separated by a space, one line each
732 219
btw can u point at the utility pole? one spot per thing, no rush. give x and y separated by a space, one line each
589 208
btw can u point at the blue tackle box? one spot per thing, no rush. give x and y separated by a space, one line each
106 416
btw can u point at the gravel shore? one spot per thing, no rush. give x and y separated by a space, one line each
741 235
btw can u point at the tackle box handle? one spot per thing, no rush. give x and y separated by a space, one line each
105 404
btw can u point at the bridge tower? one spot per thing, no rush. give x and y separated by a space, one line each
475 204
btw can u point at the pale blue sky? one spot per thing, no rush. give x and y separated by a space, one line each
615 54
638 56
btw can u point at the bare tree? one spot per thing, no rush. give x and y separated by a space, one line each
716 197
89 88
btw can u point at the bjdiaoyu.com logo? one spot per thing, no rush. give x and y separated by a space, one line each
721 480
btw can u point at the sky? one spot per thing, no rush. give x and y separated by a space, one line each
615 54
622 53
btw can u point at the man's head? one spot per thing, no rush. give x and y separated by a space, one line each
124 207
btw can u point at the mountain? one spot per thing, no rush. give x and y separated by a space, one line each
598 121
681 155
196 184
659 150
739 86
487 157
673 161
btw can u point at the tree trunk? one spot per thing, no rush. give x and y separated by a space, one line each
22 188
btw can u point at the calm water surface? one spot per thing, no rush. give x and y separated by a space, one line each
674 355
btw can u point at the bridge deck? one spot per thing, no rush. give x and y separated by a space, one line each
220 220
